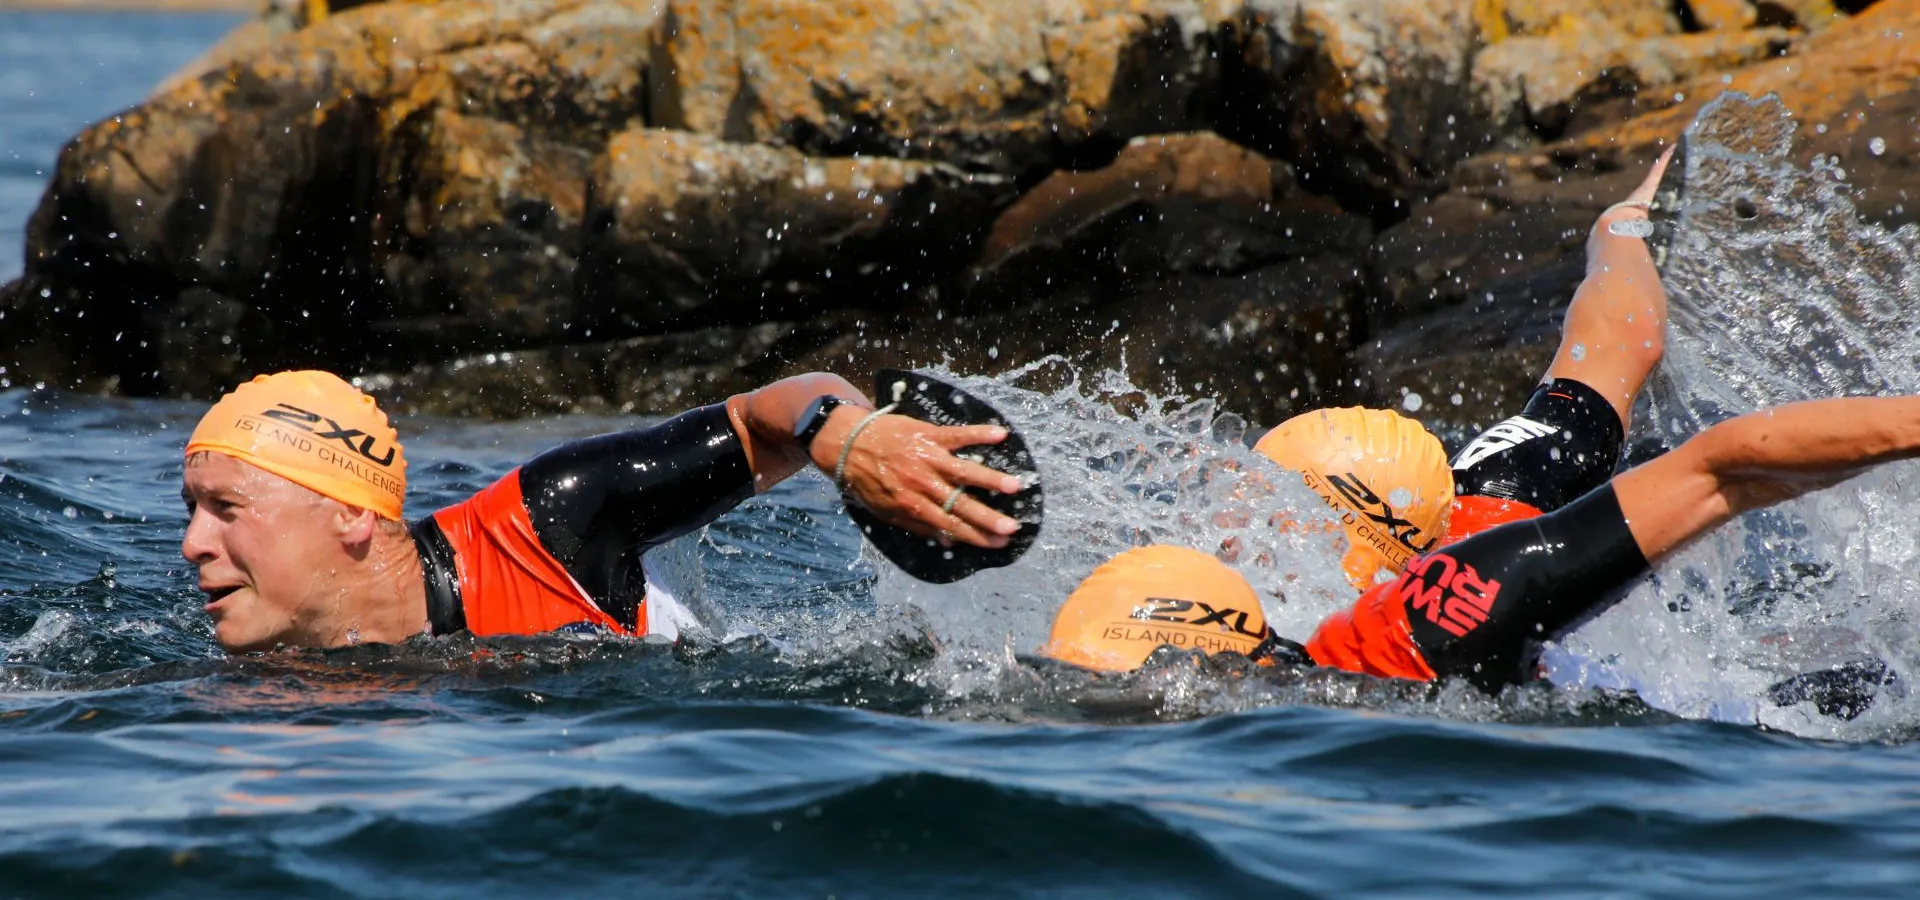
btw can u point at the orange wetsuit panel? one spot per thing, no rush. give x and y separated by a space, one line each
509 583
1472 515
1371 637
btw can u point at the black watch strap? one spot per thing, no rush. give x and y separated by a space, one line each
815 418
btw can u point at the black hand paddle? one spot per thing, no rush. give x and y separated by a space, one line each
936 402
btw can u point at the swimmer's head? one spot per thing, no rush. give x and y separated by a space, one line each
293 485
315 430
1384 474
1152 596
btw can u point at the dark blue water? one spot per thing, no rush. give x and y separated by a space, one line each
836 746
835 754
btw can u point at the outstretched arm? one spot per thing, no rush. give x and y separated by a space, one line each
1615 329
1760 459
900 468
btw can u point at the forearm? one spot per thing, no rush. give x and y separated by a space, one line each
1760 459
765 418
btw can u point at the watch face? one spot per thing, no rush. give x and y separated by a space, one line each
814 419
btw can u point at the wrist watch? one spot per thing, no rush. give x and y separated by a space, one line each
814 418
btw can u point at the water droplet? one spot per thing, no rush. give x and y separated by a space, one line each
1877 146
1578 352
1412 402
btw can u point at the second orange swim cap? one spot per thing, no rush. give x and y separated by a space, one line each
1151 596
315 430
1384 474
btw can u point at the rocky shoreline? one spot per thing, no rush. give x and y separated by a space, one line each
542 205
159 6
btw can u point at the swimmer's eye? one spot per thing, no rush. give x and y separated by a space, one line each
217 505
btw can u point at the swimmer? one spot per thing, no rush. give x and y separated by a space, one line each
1481 609
294 485
1384 475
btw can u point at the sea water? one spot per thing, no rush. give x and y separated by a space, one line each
848 732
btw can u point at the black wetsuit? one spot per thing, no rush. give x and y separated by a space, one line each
558 541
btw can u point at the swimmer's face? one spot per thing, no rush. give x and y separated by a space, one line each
267 550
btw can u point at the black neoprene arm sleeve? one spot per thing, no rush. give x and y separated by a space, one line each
1481 608
599 503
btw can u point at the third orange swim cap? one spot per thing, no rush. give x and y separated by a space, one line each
315 430
1155 595
1383 473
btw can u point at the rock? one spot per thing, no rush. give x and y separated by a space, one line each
312 185
1167 204
685 228
1501 20
1850 83
1543 82
1546 60
1723 15
1267 343
248 39
647 374
405 184
1368 100
1812 15
984 86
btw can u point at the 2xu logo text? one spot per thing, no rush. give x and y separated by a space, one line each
309 422
1362 498
1166 609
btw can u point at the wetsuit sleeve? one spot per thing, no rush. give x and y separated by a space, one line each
599 503
1480 609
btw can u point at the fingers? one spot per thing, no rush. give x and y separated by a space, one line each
925 518
953 437
965 471
972 474
906 474
984 519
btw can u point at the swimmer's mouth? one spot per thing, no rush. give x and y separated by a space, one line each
217 594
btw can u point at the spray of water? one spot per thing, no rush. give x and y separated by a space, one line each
1169 470
1778 292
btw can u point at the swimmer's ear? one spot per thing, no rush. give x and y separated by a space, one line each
353 525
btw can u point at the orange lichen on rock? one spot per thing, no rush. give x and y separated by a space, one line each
1859 60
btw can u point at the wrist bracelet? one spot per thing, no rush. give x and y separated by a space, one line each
846 449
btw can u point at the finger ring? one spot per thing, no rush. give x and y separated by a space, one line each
952 498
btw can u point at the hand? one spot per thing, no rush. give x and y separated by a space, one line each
1642 194
903 470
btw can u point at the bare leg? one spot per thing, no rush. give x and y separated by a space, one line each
1616 326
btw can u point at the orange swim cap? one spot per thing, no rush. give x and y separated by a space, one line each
1149 596
1385 474
314 430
